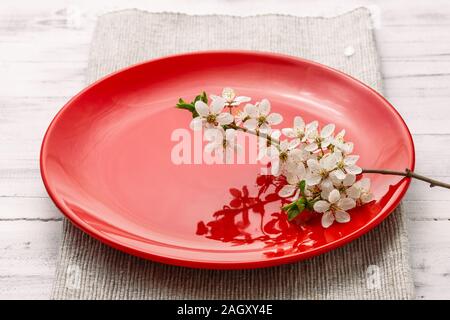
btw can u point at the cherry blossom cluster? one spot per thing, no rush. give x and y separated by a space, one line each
318 165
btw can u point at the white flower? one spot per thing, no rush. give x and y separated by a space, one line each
230 98
300 131
260 118
360 191
348 181
346 165
319 170
212 116
222 141
280 156
341 144
334 209
293 187
320 140
339 184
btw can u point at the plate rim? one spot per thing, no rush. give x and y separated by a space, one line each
114 243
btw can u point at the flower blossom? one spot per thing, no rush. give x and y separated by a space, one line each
334 208
360 191
300 131
281 156
222 141
292 188
210 116
340 144
320 170
320 140
346 165
231 100
259 117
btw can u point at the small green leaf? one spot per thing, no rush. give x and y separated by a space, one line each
288 206
301 204
187 106
302 186
204 97
198 98
292 213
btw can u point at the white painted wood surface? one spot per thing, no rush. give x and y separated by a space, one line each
43 55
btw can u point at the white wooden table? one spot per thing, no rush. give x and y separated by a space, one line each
43 54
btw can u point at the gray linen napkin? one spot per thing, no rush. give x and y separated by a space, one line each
375 266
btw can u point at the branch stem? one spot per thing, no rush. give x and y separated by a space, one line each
410 174
407 173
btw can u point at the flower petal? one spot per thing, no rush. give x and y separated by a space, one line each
365 184
264 107
339 174
251 124
321 206
299 123
242 99
274 118
196 123
353 192
312 180
353 170
214 134
293 144
201 108
348 147
327 185
287 191
327 130
224 118
273 152
312 126
349 180
328 162
311 147
340 135
342 216
264 128
217 105
351 160
366 197
210 147
334 196
251 110
275 167
296 195
276 134
288 132
230 134
346 203
228 94
327 219
313 164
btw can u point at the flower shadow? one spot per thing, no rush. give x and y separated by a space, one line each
249 219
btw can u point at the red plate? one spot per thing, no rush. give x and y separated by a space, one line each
106 161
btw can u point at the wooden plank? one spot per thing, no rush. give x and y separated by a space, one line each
28 253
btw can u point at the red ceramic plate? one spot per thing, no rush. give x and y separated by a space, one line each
106 161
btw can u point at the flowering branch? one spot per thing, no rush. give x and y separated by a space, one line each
319 167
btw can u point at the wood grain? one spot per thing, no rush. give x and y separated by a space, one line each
43 56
